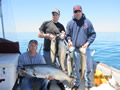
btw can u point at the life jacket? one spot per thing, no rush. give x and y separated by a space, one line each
99 78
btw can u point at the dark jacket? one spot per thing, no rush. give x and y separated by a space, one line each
80 31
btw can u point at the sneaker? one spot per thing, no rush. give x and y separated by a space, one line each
75 88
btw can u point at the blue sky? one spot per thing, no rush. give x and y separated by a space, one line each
28 15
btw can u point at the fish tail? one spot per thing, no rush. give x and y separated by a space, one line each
71 82
82 75
81 78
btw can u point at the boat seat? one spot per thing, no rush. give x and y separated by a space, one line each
7 46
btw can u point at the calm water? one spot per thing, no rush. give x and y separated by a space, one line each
107 46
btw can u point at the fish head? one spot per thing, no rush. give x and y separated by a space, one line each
71 48
83 50
29 71
61 36
54 39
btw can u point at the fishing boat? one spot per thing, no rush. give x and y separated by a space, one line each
9 53
8 73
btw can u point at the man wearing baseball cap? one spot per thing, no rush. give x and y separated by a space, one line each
80 34
48 30
31 57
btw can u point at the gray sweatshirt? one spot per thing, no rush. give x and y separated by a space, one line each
80 31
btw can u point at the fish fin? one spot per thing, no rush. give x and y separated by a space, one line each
82 77
27 75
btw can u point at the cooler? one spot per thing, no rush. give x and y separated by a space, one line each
8 70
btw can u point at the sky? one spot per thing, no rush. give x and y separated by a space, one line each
28 15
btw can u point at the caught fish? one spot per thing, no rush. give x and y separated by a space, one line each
70 61
53 50
71 48
62 53
45 70
53 47
58 44
83 61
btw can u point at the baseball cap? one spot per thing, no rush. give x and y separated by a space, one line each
77 7
33 41
56 10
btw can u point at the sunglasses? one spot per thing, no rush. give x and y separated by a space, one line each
77 11
55 14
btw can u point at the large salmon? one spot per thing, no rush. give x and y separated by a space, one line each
45 70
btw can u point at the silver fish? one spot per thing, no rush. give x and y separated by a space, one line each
70 61
69 66
45 70
83 62
61 36
62 53
53 46
53 50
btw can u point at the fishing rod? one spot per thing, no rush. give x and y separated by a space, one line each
40 48
93 52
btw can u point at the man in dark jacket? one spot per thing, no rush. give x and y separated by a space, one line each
80 34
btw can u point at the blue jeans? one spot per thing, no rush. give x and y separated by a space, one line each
46 55
26 83
89 68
